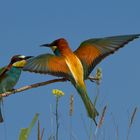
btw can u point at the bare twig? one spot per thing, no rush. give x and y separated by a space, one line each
132 117
37 85
42 134
71 113
71 105
131 121
101 119
32 86
38 134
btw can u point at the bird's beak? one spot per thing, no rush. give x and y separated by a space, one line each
27 57
45 45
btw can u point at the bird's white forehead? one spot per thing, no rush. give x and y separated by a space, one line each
21 56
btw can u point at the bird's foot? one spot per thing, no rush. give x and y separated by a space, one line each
93 79
97 78
12 90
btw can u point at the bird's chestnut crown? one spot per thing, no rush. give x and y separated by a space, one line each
59 43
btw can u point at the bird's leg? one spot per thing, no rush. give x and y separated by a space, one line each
93 79
12 90
98 76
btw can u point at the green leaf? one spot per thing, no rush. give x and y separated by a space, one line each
25 132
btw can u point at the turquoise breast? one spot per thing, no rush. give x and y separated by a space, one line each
10 80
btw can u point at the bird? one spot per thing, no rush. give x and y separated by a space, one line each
9 76
76 66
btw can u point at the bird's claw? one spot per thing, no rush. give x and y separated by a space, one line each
93 79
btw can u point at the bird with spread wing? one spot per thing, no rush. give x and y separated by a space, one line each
76 66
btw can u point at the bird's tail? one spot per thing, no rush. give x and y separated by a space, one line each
90 108
1 118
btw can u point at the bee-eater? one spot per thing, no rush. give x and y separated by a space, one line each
76 66
9 75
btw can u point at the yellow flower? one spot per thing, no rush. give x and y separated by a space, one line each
58 92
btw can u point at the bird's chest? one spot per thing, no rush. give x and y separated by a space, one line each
75 67
10 80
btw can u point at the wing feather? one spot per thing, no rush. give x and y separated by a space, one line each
47 64
2 69
92 51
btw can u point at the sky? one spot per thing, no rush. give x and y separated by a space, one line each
24 25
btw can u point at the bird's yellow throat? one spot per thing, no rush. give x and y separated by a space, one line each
19 63
54 48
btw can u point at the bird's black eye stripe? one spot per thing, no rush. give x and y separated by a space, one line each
15 59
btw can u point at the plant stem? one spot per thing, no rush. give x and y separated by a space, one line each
57 117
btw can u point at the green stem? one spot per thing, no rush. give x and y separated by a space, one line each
57 117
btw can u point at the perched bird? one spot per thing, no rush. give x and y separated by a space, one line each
9 75
76 66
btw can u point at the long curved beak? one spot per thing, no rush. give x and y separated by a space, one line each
45 45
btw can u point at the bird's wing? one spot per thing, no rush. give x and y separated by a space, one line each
47 64
1 70
92 51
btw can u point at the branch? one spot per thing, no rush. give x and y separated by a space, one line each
92 79
32 86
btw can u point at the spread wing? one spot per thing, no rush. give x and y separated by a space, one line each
92 51
47 64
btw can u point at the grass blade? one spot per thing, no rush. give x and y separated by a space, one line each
25 132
